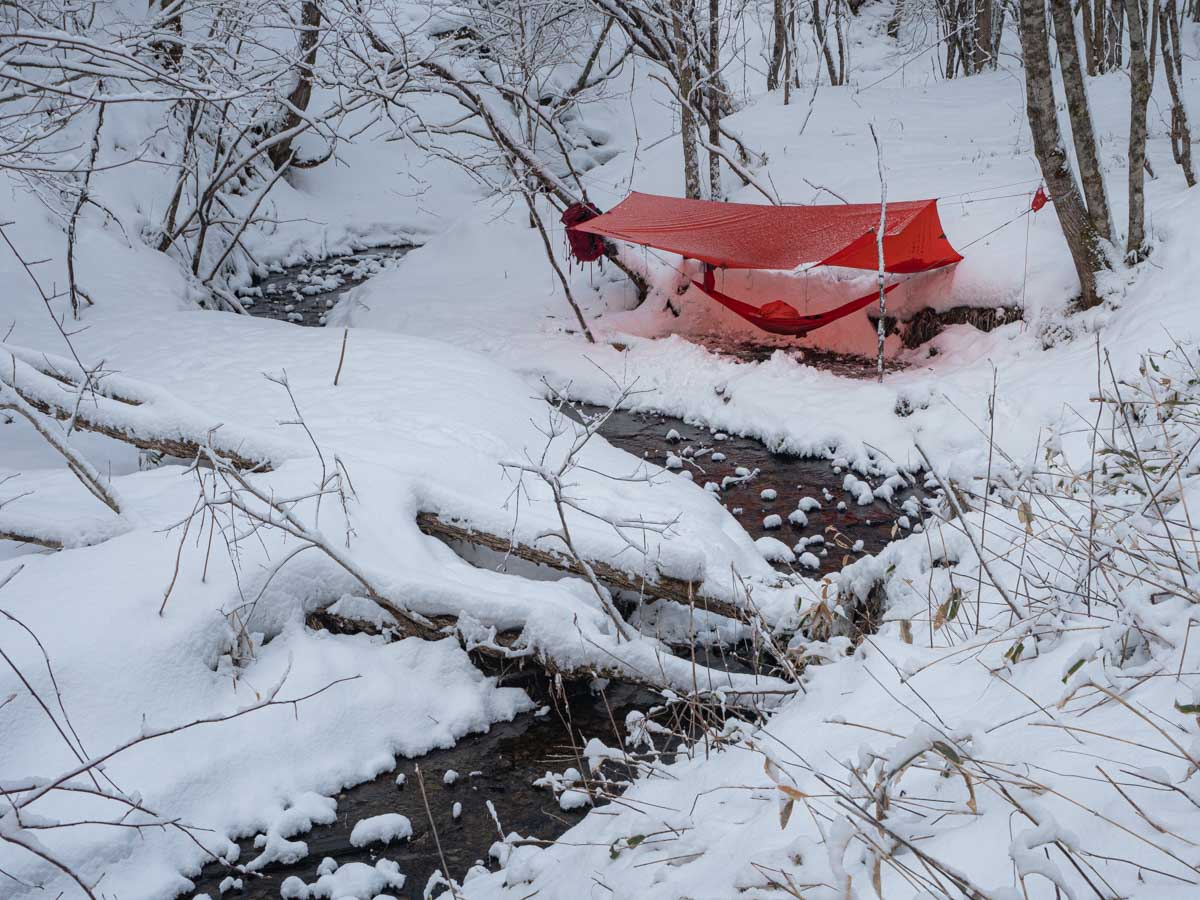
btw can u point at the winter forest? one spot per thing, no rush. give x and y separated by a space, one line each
586 449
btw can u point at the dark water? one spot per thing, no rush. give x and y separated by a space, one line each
793 478
501 765
305 293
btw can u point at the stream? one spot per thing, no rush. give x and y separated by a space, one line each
759 487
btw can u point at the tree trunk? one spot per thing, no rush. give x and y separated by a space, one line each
789 52
1081 235
1078 108
1114 37
1089 42
893 25
1181 132
1097 37
779 26
1139 96
981 46
297 100
714 98
681 13
820 21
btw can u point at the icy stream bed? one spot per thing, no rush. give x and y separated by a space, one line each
305 293
452 826
498 767
795 500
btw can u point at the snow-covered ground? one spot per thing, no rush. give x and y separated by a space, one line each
930 751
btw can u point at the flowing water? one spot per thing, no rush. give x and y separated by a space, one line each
501 765
305 293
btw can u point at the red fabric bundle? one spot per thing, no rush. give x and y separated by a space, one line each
585 247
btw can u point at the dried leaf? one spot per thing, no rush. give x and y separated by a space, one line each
1025 516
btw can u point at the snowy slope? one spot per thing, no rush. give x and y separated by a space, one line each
443 382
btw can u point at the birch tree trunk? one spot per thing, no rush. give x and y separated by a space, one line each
681 13
981 45
779 26
1139 96
1181 132
1081 235
714 98
1114 38
1078 108
1089 36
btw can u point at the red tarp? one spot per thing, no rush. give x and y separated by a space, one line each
753 236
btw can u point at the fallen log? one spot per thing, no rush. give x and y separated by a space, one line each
658 587
128 411
48 542
670 671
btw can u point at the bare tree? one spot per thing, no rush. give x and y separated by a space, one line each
1139 96
1079 109
682 13
296 103
1078 225
713 93
1181 132
982 55
779 41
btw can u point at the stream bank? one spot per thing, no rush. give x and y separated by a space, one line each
454 819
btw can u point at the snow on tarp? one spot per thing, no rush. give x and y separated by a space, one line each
753 236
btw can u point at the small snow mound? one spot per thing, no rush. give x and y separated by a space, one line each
772 522
798 518
769 494
809 561
674 436
358 881
450 777
774 550
381 829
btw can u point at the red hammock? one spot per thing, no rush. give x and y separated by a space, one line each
750 236
778 317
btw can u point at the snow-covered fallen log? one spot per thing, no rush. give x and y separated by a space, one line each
129 410
655 585
579 642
